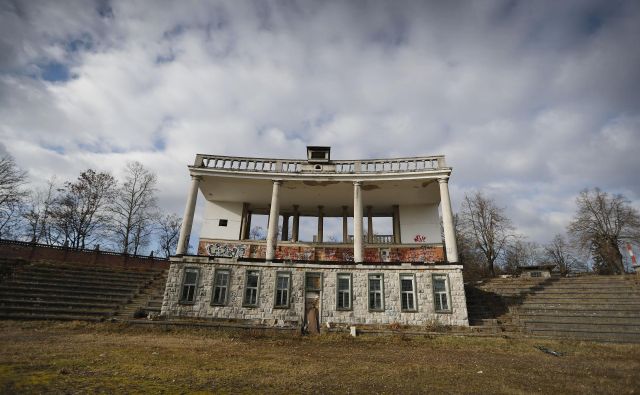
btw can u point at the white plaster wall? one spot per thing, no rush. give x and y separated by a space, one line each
214 212
420 220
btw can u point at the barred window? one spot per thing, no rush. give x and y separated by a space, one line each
376 292
220 287
189 285
283 284
441 293
343 291
407 292
251 288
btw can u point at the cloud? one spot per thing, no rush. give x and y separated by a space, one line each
532 101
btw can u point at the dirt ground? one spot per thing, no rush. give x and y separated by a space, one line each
50 357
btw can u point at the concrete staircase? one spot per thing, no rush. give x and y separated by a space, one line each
70 291
147 303
604 308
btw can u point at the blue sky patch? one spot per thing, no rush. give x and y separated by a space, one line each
55 72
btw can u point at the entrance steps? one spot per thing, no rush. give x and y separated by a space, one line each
603 308
71 291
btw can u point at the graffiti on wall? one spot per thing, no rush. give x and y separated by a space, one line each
420 239
227 250
423 253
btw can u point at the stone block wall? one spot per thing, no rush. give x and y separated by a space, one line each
265 313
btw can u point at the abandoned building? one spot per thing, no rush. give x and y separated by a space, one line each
410 276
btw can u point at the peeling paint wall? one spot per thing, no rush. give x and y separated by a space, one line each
245 249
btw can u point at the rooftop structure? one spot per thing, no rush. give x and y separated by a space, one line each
407 190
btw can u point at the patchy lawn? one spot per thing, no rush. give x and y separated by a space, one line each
109 358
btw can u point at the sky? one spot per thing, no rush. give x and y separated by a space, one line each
530 101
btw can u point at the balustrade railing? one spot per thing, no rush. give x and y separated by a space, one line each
267 165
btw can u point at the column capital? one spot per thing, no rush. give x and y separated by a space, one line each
443 180
278 182
357 183
196 177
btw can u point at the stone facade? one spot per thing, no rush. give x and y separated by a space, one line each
265 313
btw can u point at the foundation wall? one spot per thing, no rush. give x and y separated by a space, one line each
265 313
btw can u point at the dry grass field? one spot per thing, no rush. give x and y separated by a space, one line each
37 357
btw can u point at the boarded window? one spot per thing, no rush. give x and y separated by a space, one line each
189 285
343 292
220 287
407 292
251 288
313 282
376 292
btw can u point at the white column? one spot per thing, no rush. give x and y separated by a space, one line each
187 218
272 232
447 221
345 227
396 224
295 224
320 237
285 227
369 225
357 222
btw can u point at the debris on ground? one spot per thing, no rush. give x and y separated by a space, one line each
549 351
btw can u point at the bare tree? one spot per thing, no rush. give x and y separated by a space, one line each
520 253
12 178
169 231
134 208
80 210
470 257
559 253
602 224
257 233
485 224
38 215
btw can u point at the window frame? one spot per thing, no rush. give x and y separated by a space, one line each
244 290
369 276
214 285
350 276
275 290
181 300
447 293
413 292
306 276
223 222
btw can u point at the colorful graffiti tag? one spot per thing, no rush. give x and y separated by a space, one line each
422 253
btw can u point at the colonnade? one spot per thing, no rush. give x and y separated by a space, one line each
358 209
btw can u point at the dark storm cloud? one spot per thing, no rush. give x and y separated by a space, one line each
531 101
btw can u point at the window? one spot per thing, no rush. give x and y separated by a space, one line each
536 274
222 222
251 288
441 293
283 288
313 282
343 288
189 284
376 292
407 292
220 287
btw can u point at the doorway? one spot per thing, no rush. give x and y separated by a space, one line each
312 305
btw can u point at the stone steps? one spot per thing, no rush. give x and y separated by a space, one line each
71 291
593 307
24 276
